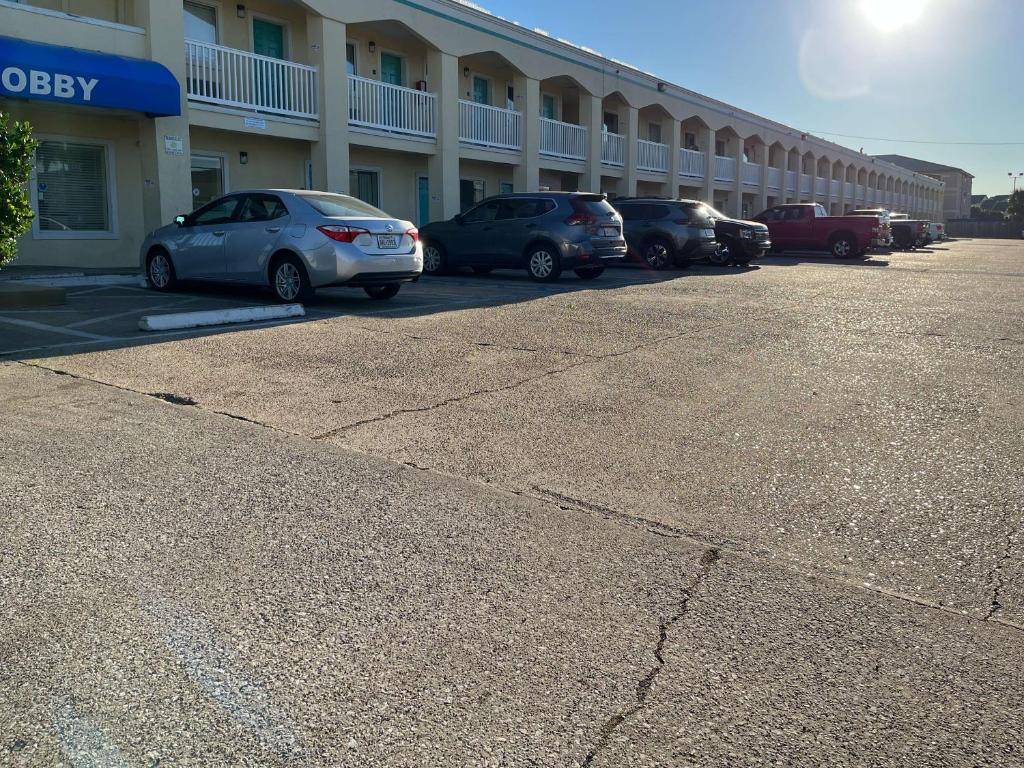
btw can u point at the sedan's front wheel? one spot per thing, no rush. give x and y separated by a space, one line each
290 281
160 271
382 292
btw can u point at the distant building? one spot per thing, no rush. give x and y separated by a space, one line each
958 198
996 203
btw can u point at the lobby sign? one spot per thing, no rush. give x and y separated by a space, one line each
71 76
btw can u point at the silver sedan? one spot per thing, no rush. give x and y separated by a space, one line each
293 241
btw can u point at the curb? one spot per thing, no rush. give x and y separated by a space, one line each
179 320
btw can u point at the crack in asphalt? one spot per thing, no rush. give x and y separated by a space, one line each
488 344
646 683
995 578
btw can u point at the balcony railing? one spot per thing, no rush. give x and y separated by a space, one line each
691 163
228 77
848 190
820 186
805 184
725 168
391 108
651 156
833 187
562 140
791 181
774 178
751 174
488 126
613 149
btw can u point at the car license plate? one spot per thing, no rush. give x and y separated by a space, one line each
607 232
708 233
387 241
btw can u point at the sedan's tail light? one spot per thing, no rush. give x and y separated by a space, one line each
414 234
342 233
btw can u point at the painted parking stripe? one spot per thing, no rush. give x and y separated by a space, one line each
52 328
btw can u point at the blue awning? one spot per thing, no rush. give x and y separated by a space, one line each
73 76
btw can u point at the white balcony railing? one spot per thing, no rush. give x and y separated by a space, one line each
489 126
613 149
651 156
563 140
834 186
391 108
805 184
751 173
228 77
820 186
774 178
848 190
691 163
725 168
791 181
860 192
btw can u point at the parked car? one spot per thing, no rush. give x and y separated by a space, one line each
808 227
739 241
541 232
908 233
936 231
665 233
882 213
293 241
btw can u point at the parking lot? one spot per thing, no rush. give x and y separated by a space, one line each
713 517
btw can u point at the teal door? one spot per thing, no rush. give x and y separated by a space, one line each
547 106
481 90
423 199
391 69
267 38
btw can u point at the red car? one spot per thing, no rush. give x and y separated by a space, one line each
808 227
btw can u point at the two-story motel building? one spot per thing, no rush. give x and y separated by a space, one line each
149 108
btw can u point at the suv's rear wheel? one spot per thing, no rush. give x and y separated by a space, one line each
543 264
657 254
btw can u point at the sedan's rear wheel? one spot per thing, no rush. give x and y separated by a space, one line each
160 271
543 264
382 292
435 261
290 281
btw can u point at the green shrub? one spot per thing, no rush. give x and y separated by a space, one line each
17 149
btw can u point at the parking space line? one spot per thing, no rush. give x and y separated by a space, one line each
94 320
52 328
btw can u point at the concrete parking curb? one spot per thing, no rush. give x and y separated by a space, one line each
179 320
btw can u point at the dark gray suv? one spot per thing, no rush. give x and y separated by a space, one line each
542 232
666 233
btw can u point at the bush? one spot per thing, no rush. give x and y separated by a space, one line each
17 148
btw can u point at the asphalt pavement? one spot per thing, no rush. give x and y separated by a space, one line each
714 517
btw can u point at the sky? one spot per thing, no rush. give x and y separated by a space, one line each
954 76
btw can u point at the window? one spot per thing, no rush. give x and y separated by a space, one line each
218 212
209 178
200 22
486 212
690 141
262 208
819 212
365 185
524 208
471 192
611 122
506 188
350 58
327 204
654 132
72 189
719 147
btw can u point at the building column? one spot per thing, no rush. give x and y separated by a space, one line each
766 157
709 167
842 193
675 144
443 165
526 175
737 206
329 154
627 185
164 141
592 118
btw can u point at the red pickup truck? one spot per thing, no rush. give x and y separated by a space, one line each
807 227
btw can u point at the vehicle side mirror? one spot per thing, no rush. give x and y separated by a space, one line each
180 219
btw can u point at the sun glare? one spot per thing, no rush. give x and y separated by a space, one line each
893 15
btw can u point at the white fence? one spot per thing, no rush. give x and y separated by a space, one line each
226 76
833 187
725 168
791 181
820 186
563 140
805 184
489 126
613 149
651 156
774 178
691 163
391 108
751 173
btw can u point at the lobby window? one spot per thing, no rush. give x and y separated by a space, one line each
366 186
72 190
